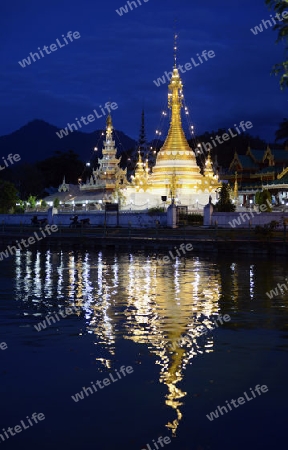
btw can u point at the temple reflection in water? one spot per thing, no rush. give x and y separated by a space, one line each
131 297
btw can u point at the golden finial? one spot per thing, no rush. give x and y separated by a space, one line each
236 186
140 162
175 49
109 121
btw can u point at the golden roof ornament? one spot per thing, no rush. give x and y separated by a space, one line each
210 180
235 192
109 122
140 179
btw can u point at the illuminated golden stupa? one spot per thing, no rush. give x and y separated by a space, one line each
176 162
176 174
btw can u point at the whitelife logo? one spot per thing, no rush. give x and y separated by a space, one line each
161 441
53 47
259 28
124 9
106 382
18 428
90 118
182 247
202 329
42 325
225 136
3 346
245 216
10 158
168 259
214 415
205 55
31 241
275 293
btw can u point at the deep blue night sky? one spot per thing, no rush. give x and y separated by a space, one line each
118 57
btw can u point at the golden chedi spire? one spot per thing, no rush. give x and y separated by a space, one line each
176 161
176 139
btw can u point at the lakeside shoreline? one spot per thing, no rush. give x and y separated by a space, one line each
211 240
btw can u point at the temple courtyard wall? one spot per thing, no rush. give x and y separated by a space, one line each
142 219
245 219
133 219
141 200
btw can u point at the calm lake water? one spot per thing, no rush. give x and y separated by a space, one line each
131 311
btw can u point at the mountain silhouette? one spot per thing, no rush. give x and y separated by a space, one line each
38 140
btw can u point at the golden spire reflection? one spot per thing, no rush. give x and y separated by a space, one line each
160 320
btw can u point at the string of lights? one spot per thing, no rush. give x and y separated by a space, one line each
191 129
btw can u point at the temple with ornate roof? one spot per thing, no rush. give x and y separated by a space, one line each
258 170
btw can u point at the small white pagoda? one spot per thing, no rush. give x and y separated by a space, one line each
109 177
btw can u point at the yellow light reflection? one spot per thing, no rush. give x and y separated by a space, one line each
135 298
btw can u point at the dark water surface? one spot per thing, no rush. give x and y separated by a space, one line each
131 311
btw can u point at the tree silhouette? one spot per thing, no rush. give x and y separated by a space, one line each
61 164
264 198
224 203
279 7
282 132
8 196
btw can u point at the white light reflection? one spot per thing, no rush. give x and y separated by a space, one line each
252 281
60 281
235 282
48 286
